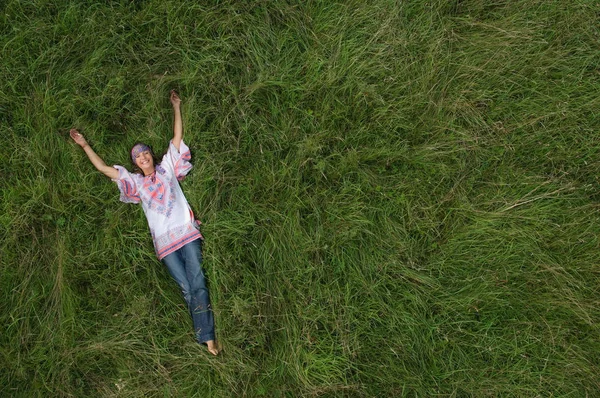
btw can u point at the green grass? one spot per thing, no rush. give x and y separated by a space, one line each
398 198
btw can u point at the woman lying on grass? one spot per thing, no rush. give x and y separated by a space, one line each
174 230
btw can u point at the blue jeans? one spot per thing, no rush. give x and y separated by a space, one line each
184 265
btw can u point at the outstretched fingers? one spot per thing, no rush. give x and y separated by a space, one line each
175 100
77 137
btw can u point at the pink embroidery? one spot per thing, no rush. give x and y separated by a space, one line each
182 165
128 192
158 195
174 239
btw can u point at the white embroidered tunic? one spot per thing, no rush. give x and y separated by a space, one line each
169 216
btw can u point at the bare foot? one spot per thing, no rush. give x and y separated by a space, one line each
212 347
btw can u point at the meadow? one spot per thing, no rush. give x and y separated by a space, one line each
399 198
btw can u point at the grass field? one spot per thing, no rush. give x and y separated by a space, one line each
399 198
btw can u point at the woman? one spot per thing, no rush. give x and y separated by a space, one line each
174 229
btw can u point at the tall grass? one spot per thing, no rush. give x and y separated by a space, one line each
398 198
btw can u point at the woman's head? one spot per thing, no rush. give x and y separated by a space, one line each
143 159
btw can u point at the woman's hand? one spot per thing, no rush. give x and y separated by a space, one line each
78 138
175 100
94 158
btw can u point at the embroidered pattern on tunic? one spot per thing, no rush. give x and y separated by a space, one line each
158 195
183 165
128 192
175 238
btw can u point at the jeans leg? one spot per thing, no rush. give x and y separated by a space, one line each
199 305
176 266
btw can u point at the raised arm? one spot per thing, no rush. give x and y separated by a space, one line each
94 158
177 124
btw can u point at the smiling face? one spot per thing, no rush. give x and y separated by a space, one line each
145 162
143 158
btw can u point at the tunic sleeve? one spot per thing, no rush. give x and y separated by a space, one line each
127 186
178 161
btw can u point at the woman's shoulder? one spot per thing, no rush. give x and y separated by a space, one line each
130 175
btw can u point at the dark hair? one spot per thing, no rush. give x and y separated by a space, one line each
136 169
